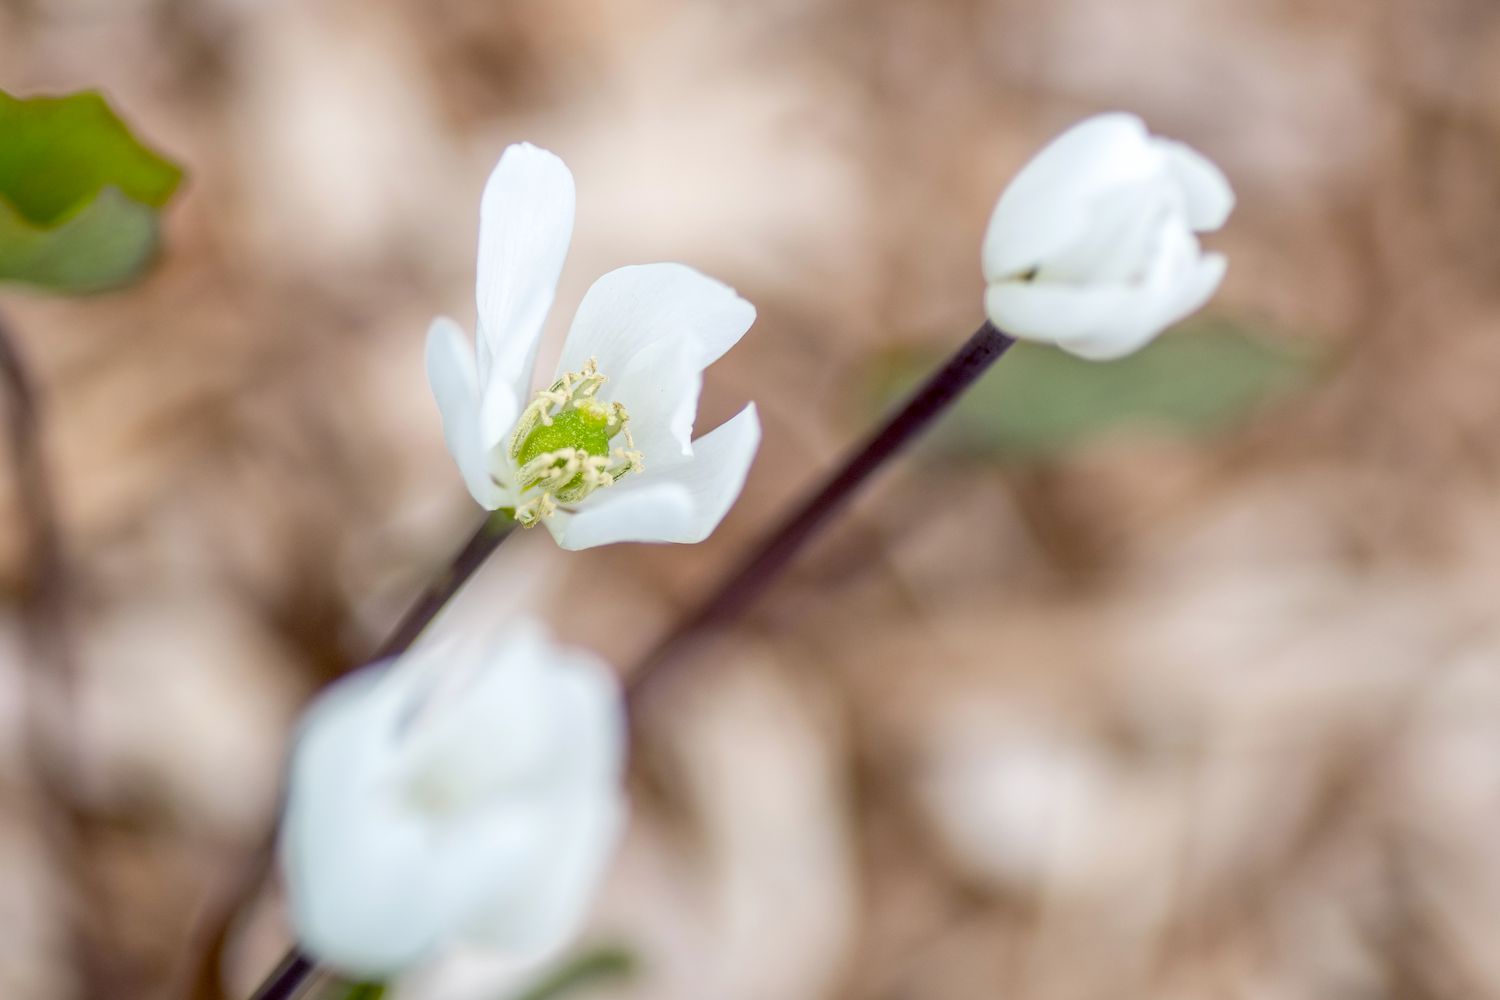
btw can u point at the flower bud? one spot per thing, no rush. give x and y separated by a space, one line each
1092 247
464 794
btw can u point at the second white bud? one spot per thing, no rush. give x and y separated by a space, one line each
466 794
1093 246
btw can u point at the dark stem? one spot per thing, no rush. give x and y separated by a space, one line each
52 672
493 530
781 544
287 979
295 967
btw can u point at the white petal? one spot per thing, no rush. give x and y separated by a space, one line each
648 514
338 828
1053 312
525 224
660 389
1101 322
1207 196
454 383
635 308
589 715
1050 201
480 726
498 409
679 501
1123 237
652 328
584 813
1193 289
1181 280
383 871
716 473
541 913
512 711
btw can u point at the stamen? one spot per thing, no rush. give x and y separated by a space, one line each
561 445
535 510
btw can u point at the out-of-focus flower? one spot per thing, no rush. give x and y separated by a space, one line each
606 452
462 795
1092 246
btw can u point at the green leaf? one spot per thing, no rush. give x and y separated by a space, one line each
592 968
364 991
106 245
79 194
1041 402
60 152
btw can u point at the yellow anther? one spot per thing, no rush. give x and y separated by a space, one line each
561 445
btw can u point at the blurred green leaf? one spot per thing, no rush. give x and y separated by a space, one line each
79 194
364 991
1041 402
105 245
592 968
60 152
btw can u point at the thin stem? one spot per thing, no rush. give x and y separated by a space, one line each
287 978
52 673
769 556
493 530
295 967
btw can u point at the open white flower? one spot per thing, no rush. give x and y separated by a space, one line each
605 453
1092 246
460 795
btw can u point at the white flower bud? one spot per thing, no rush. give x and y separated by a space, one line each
462 795
1092 246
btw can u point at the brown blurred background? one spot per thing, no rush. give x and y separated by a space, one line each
1162 712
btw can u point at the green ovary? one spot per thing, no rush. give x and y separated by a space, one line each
562 445
586 429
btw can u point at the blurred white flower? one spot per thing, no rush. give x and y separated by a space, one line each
462 795
606 452
1092 246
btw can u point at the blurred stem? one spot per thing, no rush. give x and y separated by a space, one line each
493 530
769 556
51 673
287 978
295 968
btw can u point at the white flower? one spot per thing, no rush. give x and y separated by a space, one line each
606 452
462 795
1092 246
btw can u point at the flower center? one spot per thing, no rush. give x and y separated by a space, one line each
562 449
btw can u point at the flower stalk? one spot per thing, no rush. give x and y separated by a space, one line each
287 978
773 552
492 531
